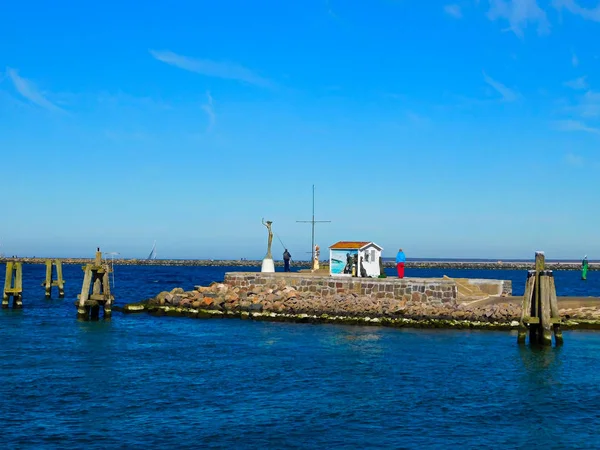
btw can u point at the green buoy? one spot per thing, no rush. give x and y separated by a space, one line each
584 268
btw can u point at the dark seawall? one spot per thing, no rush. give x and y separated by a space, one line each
550 265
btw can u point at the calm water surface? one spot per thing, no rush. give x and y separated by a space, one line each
144 382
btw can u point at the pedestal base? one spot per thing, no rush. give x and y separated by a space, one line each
267 265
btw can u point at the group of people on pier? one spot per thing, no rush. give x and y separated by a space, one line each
400 262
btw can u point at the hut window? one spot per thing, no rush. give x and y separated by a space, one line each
373 255
367 256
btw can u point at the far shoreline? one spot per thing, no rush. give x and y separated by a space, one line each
420 264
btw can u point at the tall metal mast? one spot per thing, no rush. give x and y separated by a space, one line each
313 221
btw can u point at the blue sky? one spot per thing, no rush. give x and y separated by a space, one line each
466 129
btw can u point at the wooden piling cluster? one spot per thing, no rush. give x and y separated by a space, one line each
540 315
96 277
49 283
13 285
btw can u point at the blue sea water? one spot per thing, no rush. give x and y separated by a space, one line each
139 381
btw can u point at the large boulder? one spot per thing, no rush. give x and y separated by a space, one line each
160 298
245 305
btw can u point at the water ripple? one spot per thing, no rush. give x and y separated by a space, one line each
140 382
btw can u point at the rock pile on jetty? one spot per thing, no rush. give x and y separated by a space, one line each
222 299
284 303
581 313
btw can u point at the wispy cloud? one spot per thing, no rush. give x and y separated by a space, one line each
578 83
209 110
508 95
330 9
574 60
453 10
29 91
585 106
575 125
518 14
574 160
589 105
226 70
574 8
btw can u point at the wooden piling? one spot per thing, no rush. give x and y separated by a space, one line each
540 307
545 325
526 307
558 337
13 285
49 283
96 278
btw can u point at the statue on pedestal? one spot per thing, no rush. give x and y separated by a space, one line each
316 261
267 264
270 241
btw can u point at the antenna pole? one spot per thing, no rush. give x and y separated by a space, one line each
313 222
313 226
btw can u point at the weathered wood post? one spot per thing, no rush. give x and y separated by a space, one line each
59 282
540 265
13 285
558 337
540 307
545 325
96 277
526 307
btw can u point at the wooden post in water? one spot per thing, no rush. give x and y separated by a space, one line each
558 337
540 307
526 307
536 309
59 282
13 285
545 325
96 277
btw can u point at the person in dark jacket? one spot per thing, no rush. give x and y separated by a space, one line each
286 261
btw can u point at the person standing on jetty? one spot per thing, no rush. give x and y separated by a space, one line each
400 260
286 261
584 268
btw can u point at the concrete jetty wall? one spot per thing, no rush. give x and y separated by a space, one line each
428 291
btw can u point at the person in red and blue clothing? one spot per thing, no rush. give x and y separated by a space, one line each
400 260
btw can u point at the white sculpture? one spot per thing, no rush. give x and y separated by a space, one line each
316 261
267 263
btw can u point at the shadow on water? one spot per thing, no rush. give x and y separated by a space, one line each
541 363
540 384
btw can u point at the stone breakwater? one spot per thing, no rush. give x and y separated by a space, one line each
409 302
305 264
159 262
288 304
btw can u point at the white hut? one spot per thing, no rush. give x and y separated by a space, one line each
347 257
